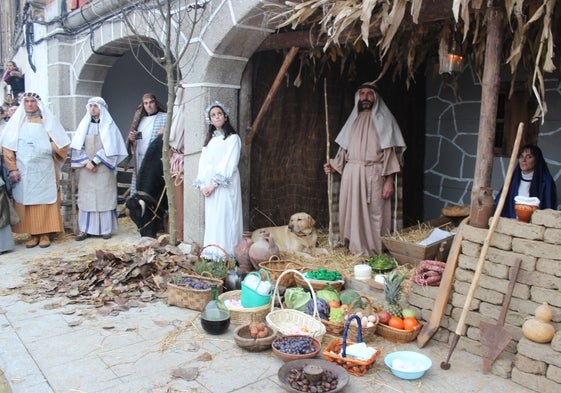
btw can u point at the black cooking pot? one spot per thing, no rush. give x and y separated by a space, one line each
234 279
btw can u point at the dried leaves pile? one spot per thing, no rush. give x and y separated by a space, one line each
120 277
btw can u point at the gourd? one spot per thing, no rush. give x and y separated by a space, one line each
539 329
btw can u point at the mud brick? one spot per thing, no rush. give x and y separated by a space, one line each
528 365
508 258
533 382
553 297
478 235
552 235
548 218
537 351
536 248
516 228
556 342
554 373
549 266
543 280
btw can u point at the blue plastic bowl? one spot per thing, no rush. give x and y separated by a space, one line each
400 361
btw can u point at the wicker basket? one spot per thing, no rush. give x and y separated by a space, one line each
335 352
333 328
367 309
276 267
226 257
243 316
317 284
286 321
398 335
191 298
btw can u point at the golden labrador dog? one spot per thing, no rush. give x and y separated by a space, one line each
298 237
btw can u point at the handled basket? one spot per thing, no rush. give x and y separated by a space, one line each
191 298
275 266
286 321
367 309
336 352
209 265
242 315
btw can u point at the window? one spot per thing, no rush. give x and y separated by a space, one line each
520 107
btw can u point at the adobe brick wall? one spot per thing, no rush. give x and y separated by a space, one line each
538 244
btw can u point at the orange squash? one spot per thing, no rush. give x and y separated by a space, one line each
396 323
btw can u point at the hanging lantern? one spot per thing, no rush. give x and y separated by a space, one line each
452 61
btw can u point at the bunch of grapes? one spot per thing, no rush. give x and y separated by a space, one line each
297 345
193 283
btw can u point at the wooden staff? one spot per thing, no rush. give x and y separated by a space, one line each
272 92
329 175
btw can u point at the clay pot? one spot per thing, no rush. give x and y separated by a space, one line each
241 252
263 248
524 212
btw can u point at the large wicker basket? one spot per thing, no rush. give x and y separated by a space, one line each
243 316
275 266
188 297
335 352
367 309
288 321
209 269
398 335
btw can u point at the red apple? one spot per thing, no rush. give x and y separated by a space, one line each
384 317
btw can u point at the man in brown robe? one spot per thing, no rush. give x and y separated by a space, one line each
35 145
370 148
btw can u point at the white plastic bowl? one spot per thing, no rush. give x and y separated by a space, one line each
408 364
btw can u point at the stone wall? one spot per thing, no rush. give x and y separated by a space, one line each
538 244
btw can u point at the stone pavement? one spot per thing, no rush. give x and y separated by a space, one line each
56 346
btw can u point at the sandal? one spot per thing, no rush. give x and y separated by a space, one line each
32 242
81 236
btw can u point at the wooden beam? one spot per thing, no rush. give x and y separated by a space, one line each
272 92
489 97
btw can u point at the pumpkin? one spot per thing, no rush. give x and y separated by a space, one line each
539 329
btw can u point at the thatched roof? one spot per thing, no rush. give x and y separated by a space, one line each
405 33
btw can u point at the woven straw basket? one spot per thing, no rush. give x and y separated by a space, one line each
193 299
398 335
243 316
335 352
286 320
275 266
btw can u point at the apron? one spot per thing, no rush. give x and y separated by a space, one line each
97 191
34 157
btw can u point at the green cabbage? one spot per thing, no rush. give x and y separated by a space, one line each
297 298
328 294
348 296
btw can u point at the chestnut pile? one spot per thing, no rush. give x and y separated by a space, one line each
298 380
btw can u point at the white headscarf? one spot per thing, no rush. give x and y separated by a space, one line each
109 133
51 123
389 133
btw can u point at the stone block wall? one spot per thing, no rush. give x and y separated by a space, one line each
538 245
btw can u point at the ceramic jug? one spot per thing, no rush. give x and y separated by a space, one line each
482 208
241 252
262 249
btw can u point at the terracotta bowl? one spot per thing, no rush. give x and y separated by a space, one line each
524 212
287 357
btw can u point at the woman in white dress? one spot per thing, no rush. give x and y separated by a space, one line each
218 179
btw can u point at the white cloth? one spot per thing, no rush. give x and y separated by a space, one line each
51 124
389 133
38 184
223 209
111 137
525 183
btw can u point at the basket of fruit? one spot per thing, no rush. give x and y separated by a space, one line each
320 278
255 336
355 357
396 323
190 291
296 347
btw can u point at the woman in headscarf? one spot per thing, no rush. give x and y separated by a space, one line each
35 145
218 180
97 148
531 178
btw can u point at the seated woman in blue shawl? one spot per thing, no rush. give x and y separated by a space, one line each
531 178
